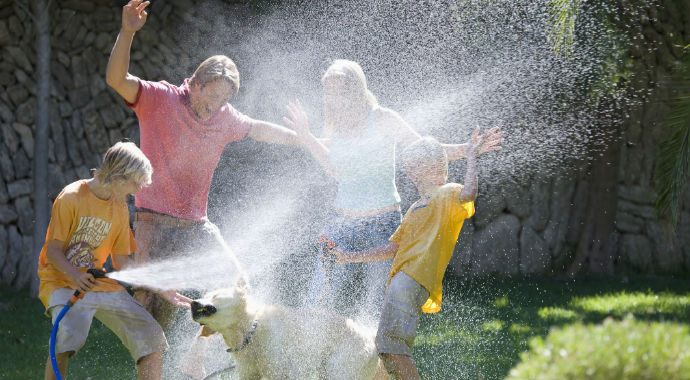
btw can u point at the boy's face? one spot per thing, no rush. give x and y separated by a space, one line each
427 173
206 100
122 188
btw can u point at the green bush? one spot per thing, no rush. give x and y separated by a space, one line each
620 350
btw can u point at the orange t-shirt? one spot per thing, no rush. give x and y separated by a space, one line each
91 229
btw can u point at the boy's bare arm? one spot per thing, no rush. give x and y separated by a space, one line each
380 252
491 143
469 190
83 281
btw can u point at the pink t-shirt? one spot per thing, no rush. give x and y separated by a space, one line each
183 149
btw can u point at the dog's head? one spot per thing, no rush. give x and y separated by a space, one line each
221 307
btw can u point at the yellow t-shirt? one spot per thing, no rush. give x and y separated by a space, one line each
91 229
426 239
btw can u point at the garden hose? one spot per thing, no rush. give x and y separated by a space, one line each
96 273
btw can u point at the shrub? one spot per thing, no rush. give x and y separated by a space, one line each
620 350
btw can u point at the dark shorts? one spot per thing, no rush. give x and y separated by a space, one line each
160 237
354 289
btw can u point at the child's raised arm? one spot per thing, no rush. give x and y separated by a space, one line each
380 252
469 190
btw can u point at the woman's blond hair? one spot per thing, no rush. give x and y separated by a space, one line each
214 68
356 85
124 161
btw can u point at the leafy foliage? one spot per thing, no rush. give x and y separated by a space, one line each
627 349
674 152
562 18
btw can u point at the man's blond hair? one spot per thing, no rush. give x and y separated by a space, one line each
214 68
124 161
423 151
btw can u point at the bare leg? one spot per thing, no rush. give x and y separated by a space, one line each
192 363
403 367
150 367
62 360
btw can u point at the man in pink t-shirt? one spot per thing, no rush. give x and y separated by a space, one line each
183 131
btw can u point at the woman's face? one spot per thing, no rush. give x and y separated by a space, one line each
338 99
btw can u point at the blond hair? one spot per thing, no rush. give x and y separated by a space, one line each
356 85
214 68
423 151
124 161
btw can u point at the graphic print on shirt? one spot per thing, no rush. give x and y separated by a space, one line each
90 233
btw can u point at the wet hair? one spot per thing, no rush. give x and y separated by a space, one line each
124 161
423 151
356 85
214 68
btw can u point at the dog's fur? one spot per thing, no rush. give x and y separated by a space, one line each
289 343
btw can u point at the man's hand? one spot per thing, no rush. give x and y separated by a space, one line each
492 141
175 298
134 15
298 119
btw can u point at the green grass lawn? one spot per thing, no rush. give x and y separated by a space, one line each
479 333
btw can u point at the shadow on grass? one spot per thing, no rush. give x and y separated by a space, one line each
485 325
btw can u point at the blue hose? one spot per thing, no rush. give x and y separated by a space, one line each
53 336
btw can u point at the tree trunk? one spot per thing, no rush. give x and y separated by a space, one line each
40 169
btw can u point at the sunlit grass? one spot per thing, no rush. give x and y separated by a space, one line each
621 303
480 332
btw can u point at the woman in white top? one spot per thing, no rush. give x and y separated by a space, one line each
359 152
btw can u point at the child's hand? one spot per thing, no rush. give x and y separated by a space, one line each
175 298
340 256
476 142
492 142
84 281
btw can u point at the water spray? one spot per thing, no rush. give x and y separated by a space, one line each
96 273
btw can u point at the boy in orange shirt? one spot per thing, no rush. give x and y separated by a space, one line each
90 222
422 247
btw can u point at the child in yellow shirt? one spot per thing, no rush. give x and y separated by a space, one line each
422 247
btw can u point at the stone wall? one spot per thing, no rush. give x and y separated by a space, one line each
86 116
530 230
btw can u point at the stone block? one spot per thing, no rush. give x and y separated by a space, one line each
22 164
10 137
7 214
636 253
487 207
25 215
17 93
26 137
628 223
4 195
18 188
535 257
14 252
461 261
495 249
6 167
4 245
26 112
6 113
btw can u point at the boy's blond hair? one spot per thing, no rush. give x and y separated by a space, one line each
124 161
214 68
425 150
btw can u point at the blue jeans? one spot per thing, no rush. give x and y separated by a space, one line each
354 289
